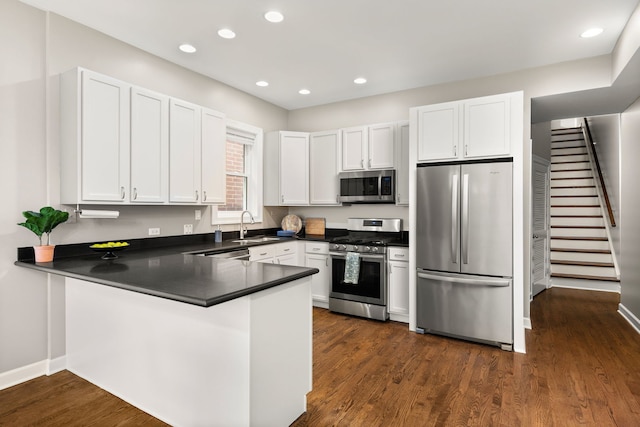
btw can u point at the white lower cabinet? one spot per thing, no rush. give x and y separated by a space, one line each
398 284
278 253
317 256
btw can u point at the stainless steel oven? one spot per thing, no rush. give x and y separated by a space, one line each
366 296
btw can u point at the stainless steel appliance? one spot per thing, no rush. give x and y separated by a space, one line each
377 186
238 254
464 250
368 237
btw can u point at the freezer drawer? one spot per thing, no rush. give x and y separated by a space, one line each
476 308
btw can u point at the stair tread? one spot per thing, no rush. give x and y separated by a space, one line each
595 227
576 195
570 161
582 251
586 277
575 206
573 186
582 263
577 177
591 239
576 216
571 170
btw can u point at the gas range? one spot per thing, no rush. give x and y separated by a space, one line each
368 235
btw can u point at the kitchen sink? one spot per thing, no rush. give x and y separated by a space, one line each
257 240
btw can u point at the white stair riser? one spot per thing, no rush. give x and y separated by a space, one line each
585 222
570 174
572 158
568 166
591 191
580 256
583 270
578 232
572 182
559 143
569 150
568 201
576 211
579 244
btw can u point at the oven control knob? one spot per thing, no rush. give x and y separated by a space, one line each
343 247
367 249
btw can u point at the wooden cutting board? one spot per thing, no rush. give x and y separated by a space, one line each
315 226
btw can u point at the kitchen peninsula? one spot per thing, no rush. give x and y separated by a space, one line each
191 340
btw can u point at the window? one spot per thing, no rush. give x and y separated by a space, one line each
243 174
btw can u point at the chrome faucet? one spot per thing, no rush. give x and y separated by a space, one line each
243 230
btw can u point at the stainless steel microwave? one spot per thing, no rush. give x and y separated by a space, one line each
377 186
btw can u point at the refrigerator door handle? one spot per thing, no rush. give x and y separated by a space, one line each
454 218
489 281
465 219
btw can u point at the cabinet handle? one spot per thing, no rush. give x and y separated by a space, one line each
287 250
122 193
466 149
455 151
135 193
369 163
282 198
326 262
399 255
197 195
317 249
337 198
204 196
362 163
263 254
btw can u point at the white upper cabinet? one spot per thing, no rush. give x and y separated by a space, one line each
149 147
438 131
324 149
354 145
214 135
472 128
184 152
486 126
368 147
402 163
381 146
95 138
286 169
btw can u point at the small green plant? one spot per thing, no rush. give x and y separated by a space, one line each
43 222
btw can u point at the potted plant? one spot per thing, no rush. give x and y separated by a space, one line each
40 223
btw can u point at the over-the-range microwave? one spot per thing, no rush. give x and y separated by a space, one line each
378 186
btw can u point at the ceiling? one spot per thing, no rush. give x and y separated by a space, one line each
324 45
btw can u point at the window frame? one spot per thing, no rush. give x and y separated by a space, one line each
254 169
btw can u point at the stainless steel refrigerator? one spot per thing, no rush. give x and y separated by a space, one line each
464 251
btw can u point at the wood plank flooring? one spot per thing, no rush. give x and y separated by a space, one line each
582 369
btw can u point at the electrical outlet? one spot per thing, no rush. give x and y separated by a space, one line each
154 232
188 229
198 214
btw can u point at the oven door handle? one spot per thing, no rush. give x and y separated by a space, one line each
343 255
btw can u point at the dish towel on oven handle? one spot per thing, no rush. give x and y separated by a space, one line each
352 268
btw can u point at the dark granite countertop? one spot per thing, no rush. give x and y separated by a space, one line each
170 272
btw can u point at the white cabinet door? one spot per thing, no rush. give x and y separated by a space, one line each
149 147
402 164
291 259
294 168
214 135
354 143
321 282
486 126
104 124
324 148
398 284
381 146
438 131
184 152
263 253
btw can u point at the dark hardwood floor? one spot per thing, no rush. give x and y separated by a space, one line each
582 368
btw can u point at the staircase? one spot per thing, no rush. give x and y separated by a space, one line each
580 249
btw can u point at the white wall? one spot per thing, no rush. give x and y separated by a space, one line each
630 210
541 137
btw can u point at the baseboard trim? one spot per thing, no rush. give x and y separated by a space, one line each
56 365
629 317
527 322
585 285
22 374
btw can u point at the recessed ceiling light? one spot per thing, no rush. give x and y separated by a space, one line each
187 48
592 32
226 33
304 91
262 83
273 16
360 81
